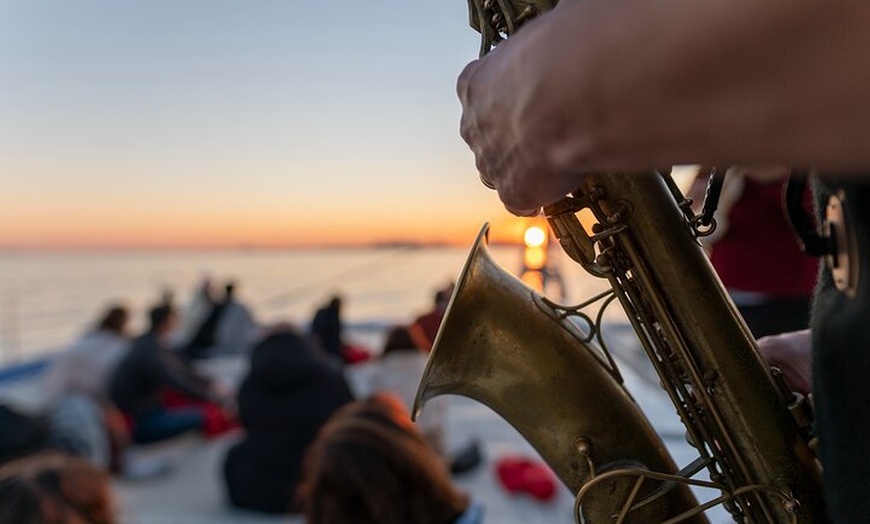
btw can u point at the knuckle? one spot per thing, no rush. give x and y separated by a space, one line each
463 83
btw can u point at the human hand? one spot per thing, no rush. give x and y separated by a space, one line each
791 353
223 394
513 123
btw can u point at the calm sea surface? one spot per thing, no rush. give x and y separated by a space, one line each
49 298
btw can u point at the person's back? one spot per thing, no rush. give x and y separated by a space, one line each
235 329
91 361
326 327
204 338
759 253
755 251
192 332
84 367
425 327
75 400
21 434
135 384
288 394
139 379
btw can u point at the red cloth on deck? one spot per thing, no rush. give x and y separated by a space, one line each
518 474
217 420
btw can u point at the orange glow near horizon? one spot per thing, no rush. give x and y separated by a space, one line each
173 228
66 218
254 233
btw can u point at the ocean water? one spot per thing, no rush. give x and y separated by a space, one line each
49 298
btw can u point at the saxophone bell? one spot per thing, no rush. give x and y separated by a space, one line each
504 345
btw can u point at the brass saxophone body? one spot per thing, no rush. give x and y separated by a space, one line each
742 424
517 352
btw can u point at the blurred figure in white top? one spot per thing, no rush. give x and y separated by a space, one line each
75 399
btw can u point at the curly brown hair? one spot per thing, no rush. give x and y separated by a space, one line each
53 488
370 465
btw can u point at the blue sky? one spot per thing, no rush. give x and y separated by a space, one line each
184 122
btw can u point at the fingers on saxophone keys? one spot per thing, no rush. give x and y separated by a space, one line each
519 203
523 212
486 181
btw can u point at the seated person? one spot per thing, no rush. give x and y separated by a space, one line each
288 394
21 434
228 328
194 333
755 251
425 327
85 366
369 465
143 376
54 488
236 328
75 396
326 328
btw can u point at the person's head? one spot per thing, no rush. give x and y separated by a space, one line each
162 318
335 302
229 290
283 362
282 326
399 339
114 320
54 489
370 465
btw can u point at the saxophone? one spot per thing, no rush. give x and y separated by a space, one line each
535 363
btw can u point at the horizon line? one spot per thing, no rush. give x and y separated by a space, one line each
244 247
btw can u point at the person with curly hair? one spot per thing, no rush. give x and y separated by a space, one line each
370 465
54 488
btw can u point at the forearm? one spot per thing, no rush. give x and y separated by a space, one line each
187 387
635 84
177 379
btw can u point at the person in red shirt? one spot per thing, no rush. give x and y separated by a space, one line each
755 252
425 327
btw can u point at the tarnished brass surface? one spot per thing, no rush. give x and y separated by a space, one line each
495 20
502 345
703 351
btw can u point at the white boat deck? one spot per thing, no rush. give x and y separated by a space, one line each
192 492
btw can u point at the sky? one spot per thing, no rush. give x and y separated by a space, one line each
259 123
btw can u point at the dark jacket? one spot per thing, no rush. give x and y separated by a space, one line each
144 371
21 434
326 327
288 394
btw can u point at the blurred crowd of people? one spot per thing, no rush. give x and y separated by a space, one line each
307 439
